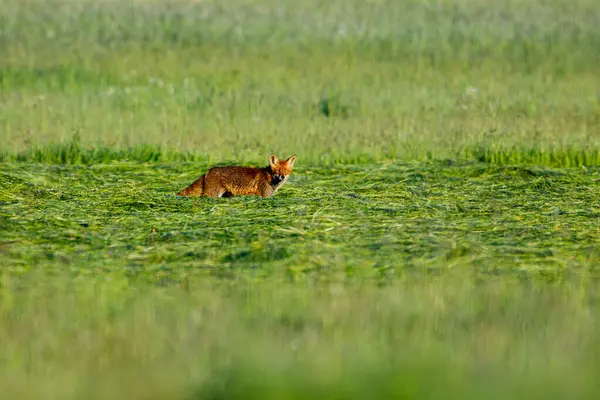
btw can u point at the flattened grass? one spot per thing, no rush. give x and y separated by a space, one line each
366 220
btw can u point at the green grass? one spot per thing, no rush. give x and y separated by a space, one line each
402 79
352 281
438 237
368 222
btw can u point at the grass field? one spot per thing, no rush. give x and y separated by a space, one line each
438 238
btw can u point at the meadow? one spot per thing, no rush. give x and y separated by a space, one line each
438 238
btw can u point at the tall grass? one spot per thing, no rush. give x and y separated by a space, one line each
403 79
72 152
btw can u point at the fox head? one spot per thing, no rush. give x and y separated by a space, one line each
281 170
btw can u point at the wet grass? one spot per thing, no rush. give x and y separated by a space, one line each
438 237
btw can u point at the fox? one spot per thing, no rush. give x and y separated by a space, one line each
242 181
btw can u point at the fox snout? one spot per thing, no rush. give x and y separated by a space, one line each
277 179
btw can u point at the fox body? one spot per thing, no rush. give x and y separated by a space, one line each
242 181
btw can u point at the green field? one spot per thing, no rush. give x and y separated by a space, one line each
439 236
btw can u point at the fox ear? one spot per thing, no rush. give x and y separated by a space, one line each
290 161
273 160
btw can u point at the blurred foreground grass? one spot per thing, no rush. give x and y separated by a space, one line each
66 338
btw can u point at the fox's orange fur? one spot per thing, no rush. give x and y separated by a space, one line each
242 181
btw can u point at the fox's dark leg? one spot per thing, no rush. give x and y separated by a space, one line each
227 194
195 189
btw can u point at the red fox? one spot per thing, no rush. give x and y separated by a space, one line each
244 181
